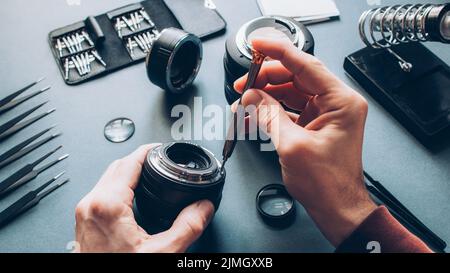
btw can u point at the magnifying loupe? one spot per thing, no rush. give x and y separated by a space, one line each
275 205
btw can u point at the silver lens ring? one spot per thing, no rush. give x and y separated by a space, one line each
166 167
243 43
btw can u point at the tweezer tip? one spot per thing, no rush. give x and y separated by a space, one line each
45 102
64 182
46 88
51 111
59 175
57 148
57 134
63 157
40 79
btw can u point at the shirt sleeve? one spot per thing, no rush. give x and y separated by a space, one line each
382 233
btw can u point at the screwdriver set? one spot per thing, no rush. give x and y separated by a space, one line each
29 172
105 43
136 29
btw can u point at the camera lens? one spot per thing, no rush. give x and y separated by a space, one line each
174 60
191 158
175 175
238 47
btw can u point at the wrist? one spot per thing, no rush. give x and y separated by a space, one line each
339 223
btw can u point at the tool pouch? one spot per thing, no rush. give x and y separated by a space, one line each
114 40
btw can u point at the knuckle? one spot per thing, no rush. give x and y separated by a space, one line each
360 106
99 209
363 105
81 210
196 227
289 151
314 62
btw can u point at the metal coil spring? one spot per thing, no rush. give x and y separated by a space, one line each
395 24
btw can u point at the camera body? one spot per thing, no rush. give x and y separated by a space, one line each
237 58
175 175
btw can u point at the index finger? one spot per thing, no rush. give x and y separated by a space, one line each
309 73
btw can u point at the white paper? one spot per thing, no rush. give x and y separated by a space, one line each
303 10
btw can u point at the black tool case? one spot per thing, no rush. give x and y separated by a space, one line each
419 100
95 47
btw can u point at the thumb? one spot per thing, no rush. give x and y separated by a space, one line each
269 114
189 225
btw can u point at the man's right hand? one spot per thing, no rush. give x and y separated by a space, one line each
320 150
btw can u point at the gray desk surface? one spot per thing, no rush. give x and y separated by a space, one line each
418 177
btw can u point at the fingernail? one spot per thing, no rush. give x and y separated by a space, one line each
207 206
252 97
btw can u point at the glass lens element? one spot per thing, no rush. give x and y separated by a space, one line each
275 203
119 130
278 32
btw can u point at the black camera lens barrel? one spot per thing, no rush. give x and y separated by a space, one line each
174 60
237 59
175 175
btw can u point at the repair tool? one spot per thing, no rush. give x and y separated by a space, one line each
231 140
28 173
29 200
21 149
9 98
6 126
19 126
380 192
12 104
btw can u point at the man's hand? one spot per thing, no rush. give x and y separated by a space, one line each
105 219
320 150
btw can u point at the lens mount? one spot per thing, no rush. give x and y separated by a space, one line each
290 29
183 162
174 60
237 57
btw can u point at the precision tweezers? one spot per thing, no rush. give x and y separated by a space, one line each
21 149
28 173
29 200
14 103
9 98
380 192
231 140
12 126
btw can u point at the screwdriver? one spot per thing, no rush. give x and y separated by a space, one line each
231 139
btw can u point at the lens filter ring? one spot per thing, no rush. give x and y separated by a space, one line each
275 205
